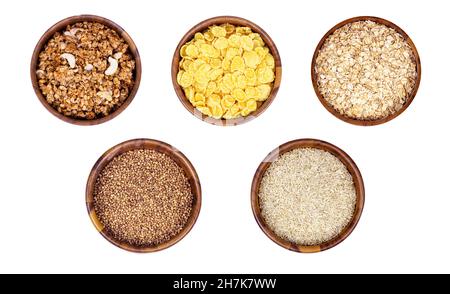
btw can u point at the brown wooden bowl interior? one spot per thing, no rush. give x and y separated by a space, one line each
60 26
158 146
202 26
308 143
359 121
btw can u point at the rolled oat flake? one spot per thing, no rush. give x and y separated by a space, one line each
366 70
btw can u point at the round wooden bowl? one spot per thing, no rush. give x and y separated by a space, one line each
237 21
308 143
158 146
60 26
358 121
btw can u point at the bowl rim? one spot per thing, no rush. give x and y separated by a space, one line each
159 146
203 25
378 121
322 145
61 25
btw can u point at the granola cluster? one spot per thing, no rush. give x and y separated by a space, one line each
86 71
366 70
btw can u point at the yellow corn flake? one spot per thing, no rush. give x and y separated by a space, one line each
211 88
185 79
237 64
190 93
251 93
239 95
234 41
243 30
250 75
198 97
205 59
251 104
265 75
228 115
270 61
223 88
209 51
232 52
234 110
263 92
225 71
199 36
227 102
251 59
193 67
208 36
216 111
258 42
198 43
226 63
204 68
201 77
262 51
229 28
218 31
205 110
213 100
180 75
185 64
200 88
215 63
199 104
183 51
242 105
246 43
215 73
245 112
192 51
241 82
220 43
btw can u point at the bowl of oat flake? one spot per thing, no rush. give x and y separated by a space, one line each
366 71
307 195
85 70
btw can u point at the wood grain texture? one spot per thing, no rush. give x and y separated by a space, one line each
237 21
409 99
60 26
308 143
159 146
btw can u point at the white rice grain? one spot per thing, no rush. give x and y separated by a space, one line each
307 196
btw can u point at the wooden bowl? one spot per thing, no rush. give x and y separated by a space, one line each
158 146
60 26
237 21
308 143
359 121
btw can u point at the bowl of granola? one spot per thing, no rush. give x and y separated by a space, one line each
366 70
85 70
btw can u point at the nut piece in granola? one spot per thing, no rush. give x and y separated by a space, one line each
366 70
86 71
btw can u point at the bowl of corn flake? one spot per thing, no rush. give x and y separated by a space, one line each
366 71
85 70
226 70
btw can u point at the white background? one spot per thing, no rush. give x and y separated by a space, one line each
44 162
